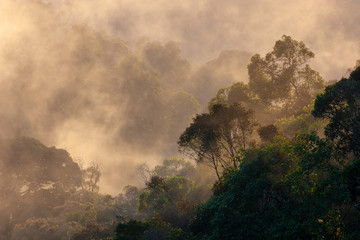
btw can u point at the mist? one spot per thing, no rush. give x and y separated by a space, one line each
116 82
207 27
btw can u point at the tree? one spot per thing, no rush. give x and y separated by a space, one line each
236 93
240 93
304 123
350 70
290 189
167 199
340 104
268 133
171 193
91 177
93 232
131 230
36 228
173 189
214 138
283 76
174 167
34 180
126 203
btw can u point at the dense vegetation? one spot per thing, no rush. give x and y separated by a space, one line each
277 158
296 179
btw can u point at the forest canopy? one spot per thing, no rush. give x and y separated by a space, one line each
257 142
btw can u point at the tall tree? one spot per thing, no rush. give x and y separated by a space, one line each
290 189
283 76
236 93
34 180
214 138
340 104
91 177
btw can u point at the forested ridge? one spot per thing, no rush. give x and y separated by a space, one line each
274 158
102 139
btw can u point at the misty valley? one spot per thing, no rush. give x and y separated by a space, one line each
107 134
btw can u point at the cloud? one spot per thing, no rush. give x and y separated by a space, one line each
204 28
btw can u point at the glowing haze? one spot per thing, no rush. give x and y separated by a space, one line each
117 81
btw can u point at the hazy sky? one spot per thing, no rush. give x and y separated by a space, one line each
205 27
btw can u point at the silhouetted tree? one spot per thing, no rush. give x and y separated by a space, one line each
91 177
131 230
94 232
267 133
340 104
285 190
34 179
283 76
214 138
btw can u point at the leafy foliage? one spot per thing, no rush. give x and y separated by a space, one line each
175 167
340 105
304 123
286 190
283 77
214 138
93 232
35 180
168 200
91 177
268 133
295 185
131 230
34 229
